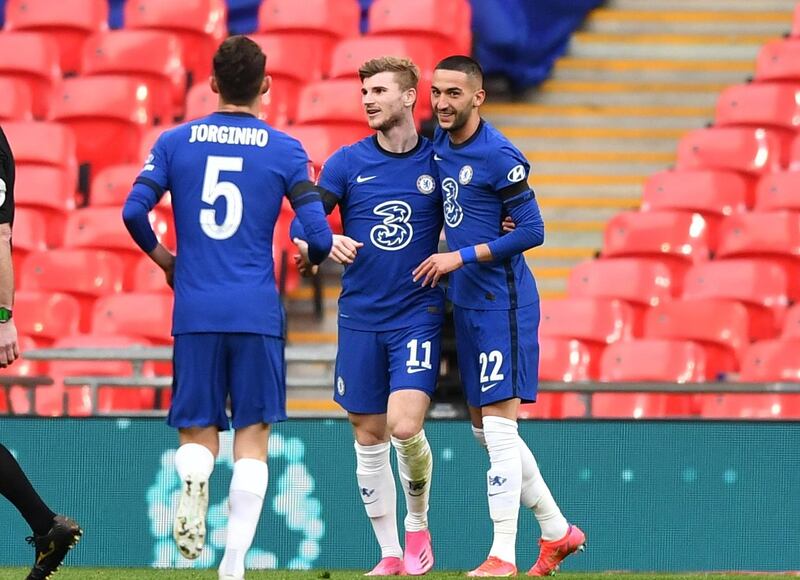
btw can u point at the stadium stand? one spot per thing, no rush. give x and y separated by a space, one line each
40 69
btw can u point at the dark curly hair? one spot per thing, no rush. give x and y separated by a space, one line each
239 65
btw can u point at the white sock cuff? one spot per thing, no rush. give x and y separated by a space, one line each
194 458
411 444
499 424
371 458
250 475
477 432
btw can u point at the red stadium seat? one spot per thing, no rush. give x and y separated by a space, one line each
719 325
85 274
754 151
149 277
149 138
321 141
334 101
30 231
760 286
318 23
48 190
68 22
46 316
547 406
749 406
712 194
595 322
26 140
17 401
676 239
771 360
33 59
290 56
101 228
107 115
794 154
764 105
109 398
796 22
120 53
564 359
779 60
200 101
771 235
278 106
447 22
16 104
199 24
640 282
791 325
111 186
640 406
778 191
135 314
351 53
676 361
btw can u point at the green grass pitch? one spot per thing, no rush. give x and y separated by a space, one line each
150 574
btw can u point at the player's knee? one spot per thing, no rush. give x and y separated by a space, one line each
406 428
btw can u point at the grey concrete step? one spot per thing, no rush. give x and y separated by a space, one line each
721 5
600 120
621 47
645 73
608 168
676 22
573 239
578 214
626 98
599 144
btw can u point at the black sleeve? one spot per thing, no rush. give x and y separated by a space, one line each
6 181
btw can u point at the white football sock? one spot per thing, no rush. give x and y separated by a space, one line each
379 494
415 464
194 459
246 498
504 481
536 496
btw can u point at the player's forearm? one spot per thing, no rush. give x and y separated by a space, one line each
6 268
135 215
317 232
296 230
529 233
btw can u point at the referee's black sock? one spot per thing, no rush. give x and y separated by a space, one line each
16 487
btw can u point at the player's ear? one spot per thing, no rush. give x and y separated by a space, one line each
266 84
410 97
213 83
478 98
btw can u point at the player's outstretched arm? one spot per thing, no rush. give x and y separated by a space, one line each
9 349
528 233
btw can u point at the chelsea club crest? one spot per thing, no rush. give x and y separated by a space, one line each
465 175
426 184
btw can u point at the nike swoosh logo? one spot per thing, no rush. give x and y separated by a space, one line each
44 555
370 502
485 388
412 370
494 494
361 179
436 157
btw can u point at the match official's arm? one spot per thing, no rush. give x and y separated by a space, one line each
9 349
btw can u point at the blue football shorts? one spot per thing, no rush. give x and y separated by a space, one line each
371 365
498 353
211 367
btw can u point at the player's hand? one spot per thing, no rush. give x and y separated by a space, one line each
344 249
166 261
304 265
9 349
306 269
437 266
508 225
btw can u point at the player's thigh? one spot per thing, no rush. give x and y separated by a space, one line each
504 351
362 373
414 354
467 351
257 379
199 383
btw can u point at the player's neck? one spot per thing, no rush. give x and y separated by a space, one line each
253 108
400 138
467 131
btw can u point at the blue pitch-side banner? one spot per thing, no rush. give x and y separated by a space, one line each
665 496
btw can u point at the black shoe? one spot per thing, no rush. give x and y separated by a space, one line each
52 548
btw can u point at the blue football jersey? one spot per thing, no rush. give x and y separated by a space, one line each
391 203
477 176
228 174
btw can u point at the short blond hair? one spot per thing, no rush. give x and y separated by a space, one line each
406 73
